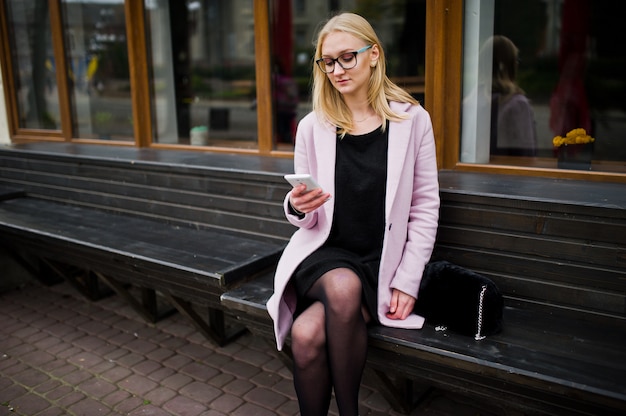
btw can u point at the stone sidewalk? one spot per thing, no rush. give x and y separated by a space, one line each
61 354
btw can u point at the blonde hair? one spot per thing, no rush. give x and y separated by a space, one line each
330 103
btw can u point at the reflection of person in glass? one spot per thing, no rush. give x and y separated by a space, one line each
286 101
513 130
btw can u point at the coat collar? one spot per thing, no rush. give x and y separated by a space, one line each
399 138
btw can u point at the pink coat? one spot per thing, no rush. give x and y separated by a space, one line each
411 212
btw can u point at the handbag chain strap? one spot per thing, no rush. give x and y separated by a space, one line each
481 299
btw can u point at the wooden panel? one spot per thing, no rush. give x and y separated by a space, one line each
203 197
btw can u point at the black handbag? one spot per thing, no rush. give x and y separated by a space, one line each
459 299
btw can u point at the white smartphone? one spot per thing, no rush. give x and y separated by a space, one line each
304 178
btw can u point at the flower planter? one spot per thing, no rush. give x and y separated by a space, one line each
575 156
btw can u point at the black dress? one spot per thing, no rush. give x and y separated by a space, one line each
356 236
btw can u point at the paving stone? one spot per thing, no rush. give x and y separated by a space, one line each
93 327
226 403
160 395
8 341
176 381
129 404
141 346
256 358
89 407
115 398
8 394
85 359
63 370
69 399
200 392
29 404
56 349
161 374
184 406
76 377
240 369
53 411
149 410
61 391
266 398
25 332
7 362
160 354
89 342
137 384
43 322
238 387
96 387
290 408
177 361
31 377
69 352
286 388
5 382
146 367
46 343
16 368
266 379
199 371
220 380
19 350
121 338
31 340
129 360
250 409
47 386
195 351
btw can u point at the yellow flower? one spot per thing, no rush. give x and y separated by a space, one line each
576 136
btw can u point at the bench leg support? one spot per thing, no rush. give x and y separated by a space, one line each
213 327
403 394
84 281
148 306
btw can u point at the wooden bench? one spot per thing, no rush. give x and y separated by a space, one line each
164 230
557 251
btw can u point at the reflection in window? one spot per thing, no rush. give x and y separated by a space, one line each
33 64
536 70
203 72
99 77
399 23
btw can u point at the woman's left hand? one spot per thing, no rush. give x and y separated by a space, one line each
401 305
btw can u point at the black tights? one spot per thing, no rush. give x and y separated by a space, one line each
330 345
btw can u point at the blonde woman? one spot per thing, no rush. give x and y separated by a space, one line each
366 234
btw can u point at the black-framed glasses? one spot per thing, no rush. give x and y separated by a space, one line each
346 61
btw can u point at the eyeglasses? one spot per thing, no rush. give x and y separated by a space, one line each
346 61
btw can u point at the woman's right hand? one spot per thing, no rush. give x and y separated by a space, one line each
306 202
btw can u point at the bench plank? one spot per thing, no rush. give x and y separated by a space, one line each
220 257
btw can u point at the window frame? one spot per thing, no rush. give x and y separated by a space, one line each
443 82
443 85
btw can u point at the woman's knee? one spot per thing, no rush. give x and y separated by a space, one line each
343 292
308 336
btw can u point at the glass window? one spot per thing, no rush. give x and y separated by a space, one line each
543 84
400 24
32 58
203 72
99 77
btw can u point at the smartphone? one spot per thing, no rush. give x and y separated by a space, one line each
304 178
